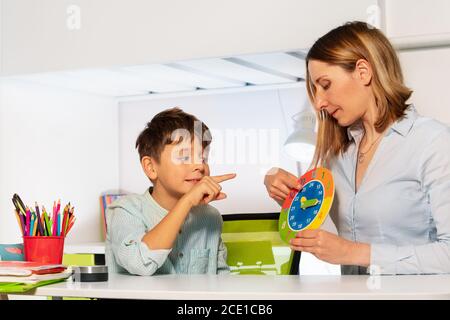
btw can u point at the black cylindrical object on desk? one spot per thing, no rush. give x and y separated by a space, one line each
90 273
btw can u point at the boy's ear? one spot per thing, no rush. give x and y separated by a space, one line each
148 165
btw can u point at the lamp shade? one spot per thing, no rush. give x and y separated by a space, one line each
301 143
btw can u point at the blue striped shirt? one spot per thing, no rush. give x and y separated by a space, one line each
402 206
198 248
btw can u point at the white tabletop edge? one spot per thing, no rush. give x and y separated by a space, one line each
240 287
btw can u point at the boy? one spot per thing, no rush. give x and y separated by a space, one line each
170 228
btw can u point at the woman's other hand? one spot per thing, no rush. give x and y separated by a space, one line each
279 183
331 248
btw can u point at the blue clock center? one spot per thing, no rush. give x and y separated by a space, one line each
298 217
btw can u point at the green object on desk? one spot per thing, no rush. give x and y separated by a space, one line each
79 259
254 245
18 287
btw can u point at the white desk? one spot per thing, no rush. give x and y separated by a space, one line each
252 287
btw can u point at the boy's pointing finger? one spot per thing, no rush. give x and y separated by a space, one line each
223 177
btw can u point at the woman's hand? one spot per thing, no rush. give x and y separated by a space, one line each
279 183
331 248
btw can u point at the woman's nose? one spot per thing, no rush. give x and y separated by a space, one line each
321 103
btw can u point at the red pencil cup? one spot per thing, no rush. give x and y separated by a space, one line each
44 249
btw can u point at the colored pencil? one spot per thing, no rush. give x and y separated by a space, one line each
18 203
23 219
47 222
58 205
71 224
54 220
19 221
64 221
40 223
44 233
35 224
27 224
30 233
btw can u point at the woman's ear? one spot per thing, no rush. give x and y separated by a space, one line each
363 71
148 165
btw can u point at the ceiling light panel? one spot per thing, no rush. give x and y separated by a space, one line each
280 62
227 69
172 74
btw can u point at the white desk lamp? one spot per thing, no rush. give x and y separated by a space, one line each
301 143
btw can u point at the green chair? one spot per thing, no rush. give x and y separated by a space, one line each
254 245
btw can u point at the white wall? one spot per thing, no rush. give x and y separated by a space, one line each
56 144
421 30
426 72
1 37
256 112
44 36
405 18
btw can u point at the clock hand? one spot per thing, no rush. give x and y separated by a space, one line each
308 203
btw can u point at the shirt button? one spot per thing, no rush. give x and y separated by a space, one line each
180 254
179 231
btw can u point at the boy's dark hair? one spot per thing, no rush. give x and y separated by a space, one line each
158 132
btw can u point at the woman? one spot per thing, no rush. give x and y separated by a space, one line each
391 166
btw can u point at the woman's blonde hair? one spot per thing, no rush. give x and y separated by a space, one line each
343 47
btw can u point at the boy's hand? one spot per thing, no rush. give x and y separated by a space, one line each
208 189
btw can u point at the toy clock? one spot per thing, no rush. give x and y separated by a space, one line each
307 208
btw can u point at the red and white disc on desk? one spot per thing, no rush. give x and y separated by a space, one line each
307 208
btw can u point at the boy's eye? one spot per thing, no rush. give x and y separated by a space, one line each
326 85
184 158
